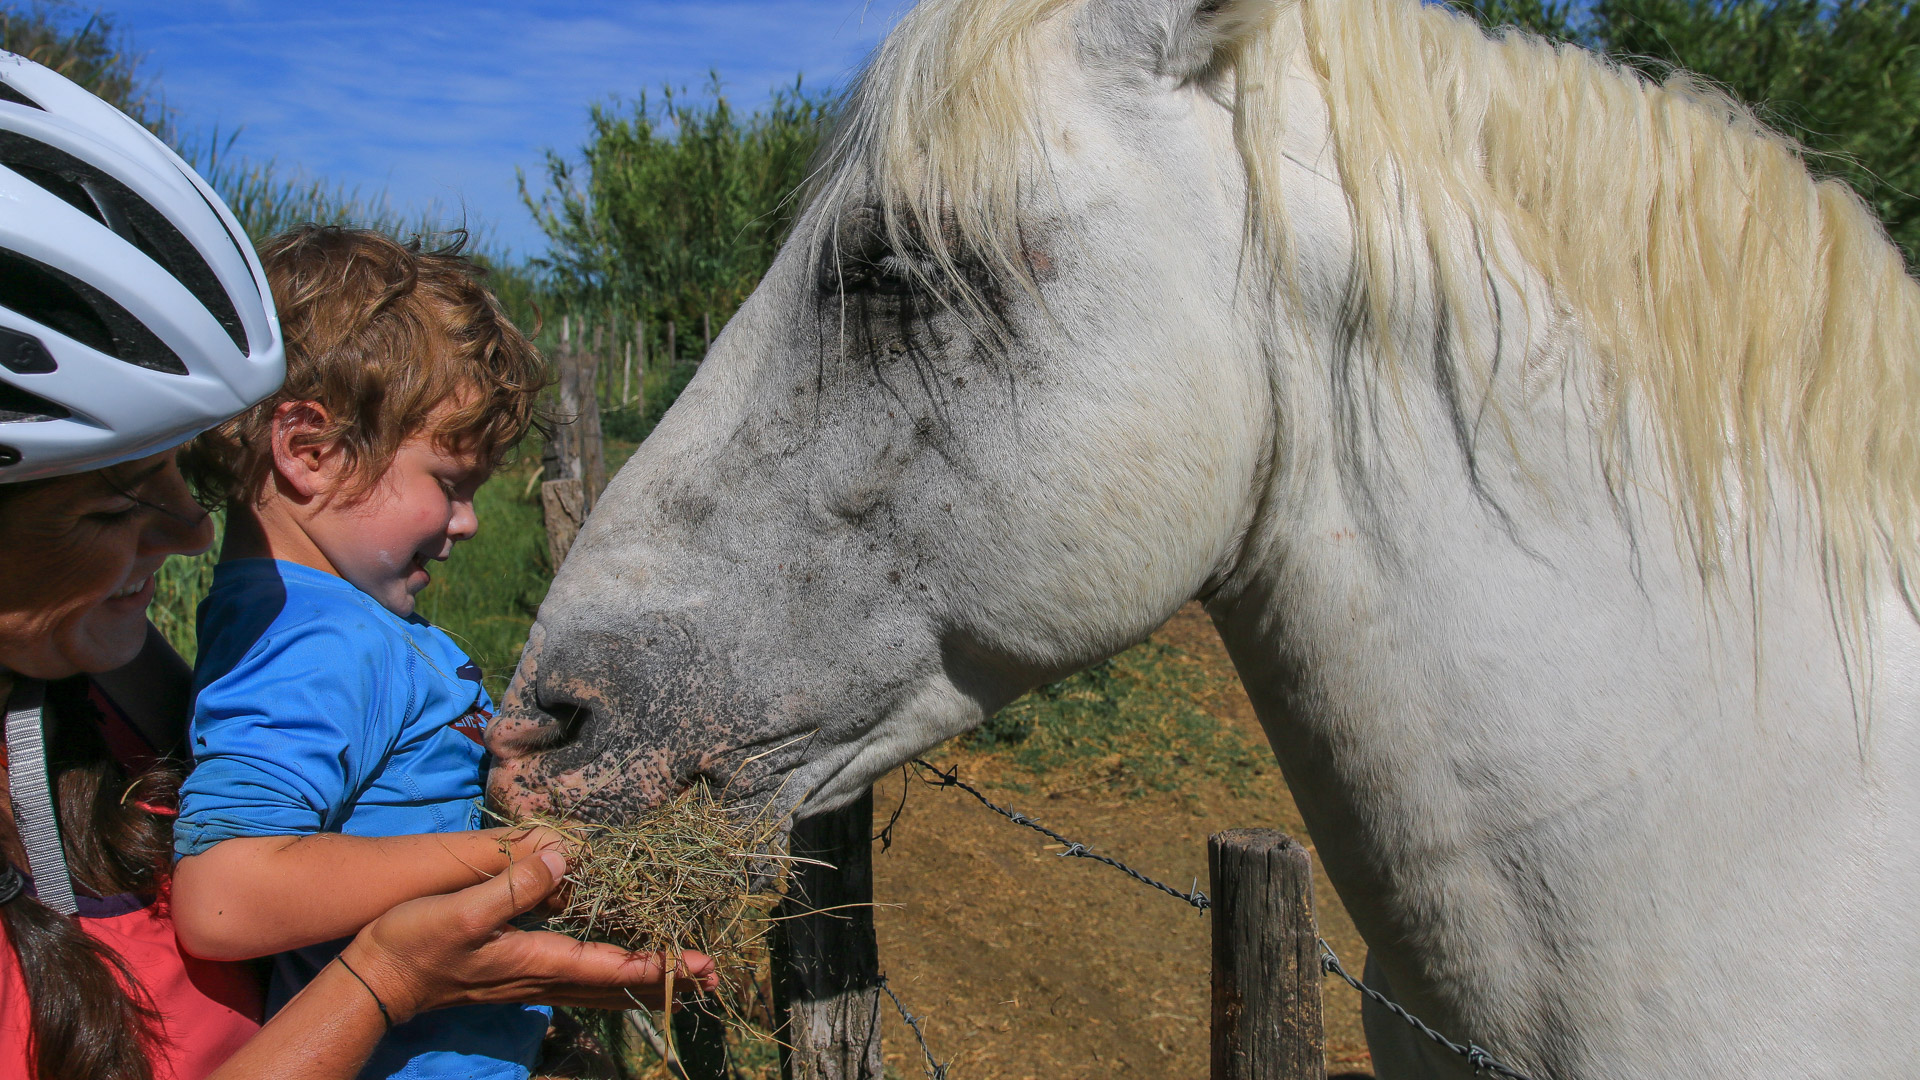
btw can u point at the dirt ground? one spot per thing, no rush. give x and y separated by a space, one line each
1026 966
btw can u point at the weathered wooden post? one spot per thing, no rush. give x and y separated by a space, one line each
1266 959
573 467
826 965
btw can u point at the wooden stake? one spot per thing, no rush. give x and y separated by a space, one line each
1266 959
561 507
826 966
573 465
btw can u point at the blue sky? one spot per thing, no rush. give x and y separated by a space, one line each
438 101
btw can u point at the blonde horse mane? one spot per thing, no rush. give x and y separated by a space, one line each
1758 318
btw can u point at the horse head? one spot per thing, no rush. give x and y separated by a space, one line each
951 447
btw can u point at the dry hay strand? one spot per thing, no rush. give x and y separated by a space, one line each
688 875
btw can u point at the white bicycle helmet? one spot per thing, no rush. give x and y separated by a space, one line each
133 311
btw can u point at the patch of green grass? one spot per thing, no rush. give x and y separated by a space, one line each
1131 724
178 588
487 594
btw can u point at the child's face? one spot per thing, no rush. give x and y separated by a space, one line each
418 510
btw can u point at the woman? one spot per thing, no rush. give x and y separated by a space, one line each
133 315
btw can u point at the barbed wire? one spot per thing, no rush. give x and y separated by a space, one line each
1075 850
1480 1060
935 1070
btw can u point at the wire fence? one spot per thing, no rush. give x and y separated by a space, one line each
1478 1059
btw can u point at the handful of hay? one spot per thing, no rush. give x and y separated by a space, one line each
679 878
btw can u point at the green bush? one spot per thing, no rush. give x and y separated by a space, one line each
670 214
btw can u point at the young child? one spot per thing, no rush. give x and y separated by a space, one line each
336 734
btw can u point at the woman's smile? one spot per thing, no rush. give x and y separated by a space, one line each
142 590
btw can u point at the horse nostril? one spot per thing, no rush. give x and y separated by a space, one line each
569 717
544 726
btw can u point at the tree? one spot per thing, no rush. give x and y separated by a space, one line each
675 209
1840 76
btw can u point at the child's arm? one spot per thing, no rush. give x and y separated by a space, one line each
258 895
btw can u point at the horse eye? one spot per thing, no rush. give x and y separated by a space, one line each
895 274
879 274
861 261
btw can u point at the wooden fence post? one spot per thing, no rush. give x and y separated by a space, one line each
1266 959
574 466
826 966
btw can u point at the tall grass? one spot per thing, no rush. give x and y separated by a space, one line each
487 594
269 198
85 46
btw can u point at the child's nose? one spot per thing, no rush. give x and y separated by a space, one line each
465 522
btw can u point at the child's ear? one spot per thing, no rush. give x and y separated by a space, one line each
303 450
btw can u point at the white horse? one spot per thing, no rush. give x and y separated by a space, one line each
1540 439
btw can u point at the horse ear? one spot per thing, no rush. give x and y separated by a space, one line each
1204 34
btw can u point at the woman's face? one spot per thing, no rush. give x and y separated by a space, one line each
77 558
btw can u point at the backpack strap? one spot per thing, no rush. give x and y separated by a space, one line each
33 806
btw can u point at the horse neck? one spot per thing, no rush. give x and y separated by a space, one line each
1481 671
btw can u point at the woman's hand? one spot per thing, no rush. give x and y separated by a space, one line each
458 949
455 949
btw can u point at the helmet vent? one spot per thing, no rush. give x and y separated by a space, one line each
18 406
132 218
240 244
9 93
23 354
62 302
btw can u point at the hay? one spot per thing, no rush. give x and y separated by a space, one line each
690 874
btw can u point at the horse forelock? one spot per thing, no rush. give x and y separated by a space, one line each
934 137
1756 317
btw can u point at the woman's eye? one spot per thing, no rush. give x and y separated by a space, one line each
116 512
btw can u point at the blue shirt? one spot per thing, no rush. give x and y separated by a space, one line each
318 710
